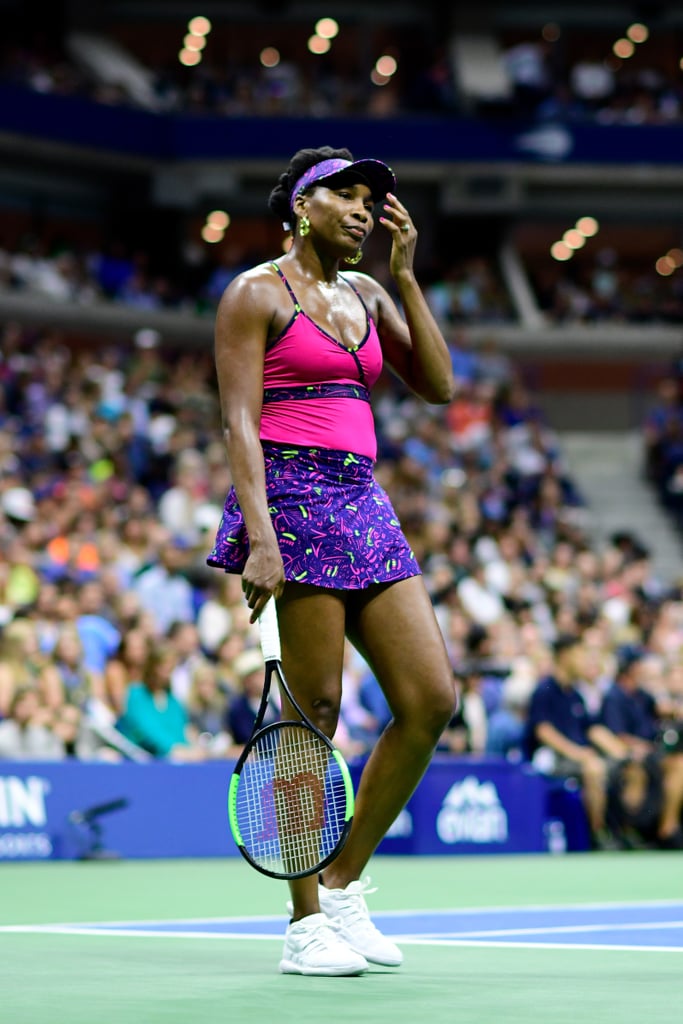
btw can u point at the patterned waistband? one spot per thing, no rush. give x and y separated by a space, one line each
334 464
316 391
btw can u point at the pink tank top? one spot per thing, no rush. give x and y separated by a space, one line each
316 392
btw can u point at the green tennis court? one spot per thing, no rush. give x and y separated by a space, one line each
583 937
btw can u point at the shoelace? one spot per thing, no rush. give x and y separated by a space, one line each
353 904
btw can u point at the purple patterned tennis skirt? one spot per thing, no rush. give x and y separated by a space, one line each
335 525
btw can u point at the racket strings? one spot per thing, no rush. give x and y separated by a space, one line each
291 800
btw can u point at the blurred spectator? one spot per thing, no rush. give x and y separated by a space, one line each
243 707
153 718
163 589
563 740
25 734
66 679
98 635
207 706
125 667
21 661
180 505
631 713
466 733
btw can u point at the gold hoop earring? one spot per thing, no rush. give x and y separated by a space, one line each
304 226
356 258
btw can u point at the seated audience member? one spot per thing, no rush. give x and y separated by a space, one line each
207 705
99 637
153 718
25 734
631 713
164 590
507 722
126 666
241 714
66 678
562 739
84 740
467 729
21 660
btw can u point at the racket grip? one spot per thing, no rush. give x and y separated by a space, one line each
270 633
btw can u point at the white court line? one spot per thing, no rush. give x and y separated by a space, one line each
129 933
541 945
485 938
403 940
569 929
527 907
435 912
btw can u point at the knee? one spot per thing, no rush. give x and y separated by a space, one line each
594 771
438 707
324 713
672 767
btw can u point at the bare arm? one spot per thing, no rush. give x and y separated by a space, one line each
242 324
607 741
549 736
413 347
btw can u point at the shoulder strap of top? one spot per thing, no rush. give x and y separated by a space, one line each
287 285
353 288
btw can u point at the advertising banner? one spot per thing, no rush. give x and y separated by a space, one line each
79 810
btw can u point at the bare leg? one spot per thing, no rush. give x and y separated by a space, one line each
594 779
395 629
672 771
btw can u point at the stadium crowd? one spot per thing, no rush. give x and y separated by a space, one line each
602 289
118 642
558 79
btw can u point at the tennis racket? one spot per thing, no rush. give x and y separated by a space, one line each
290 801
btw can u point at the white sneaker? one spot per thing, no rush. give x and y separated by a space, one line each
312 947
348 914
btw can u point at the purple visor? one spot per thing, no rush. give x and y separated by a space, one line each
379 178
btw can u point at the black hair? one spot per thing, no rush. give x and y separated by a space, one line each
565 641
280 197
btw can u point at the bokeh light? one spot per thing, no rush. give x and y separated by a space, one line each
574 238
551 32
326 28
386 65
316 44
561 251
269 57
378 79
218 219
637 32
199 26
194 42
664 266
588 226
624 48
189 57
212 234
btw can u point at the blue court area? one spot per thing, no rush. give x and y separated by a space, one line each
655 926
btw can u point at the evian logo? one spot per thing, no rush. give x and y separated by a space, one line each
472 813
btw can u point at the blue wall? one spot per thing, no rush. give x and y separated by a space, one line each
461 806
82 122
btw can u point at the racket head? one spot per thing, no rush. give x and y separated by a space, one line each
290 801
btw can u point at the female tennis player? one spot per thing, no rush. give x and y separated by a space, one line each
300 341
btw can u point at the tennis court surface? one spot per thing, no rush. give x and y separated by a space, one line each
525 938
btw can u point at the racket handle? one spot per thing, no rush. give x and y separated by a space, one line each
270 633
